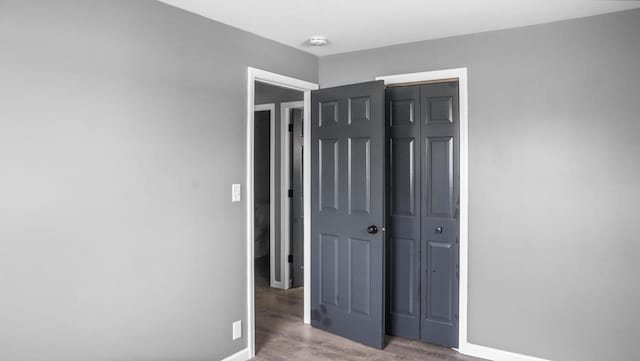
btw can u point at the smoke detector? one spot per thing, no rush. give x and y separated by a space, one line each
317 40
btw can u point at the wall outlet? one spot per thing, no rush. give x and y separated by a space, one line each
236 193
237 330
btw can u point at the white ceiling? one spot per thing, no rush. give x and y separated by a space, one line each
363 24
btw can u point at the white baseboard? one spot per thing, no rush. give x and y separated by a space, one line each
276 284
242 355
494 354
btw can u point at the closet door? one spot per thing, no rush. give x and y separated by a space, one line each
403 195
440 213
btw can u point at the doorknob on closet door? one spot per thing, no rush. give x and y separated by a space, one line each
439 229
372 229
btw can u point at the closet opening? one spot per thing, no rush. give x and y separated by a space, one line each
423 206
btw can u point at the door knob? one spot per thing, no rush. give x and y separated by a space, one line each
372 229
439 230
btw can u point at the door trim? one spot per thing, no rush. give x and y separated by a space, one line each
271 107
459 74
285 182
254 75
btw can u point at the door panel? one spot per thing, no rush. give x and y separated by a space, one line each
359 109
403 176
359 175
403 266
403 291
439 213
328 185
328 269
328 113
347 188
440 281
439 110
360 268
440 177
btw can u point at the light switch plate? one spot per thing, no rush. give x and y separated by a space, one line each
237 330
236 193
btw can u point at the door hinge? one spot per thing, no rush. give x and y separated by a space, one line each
290 193
291 128
290 258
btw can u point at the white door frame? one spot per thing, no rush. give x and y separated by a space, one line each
271 107
254 75
285 182
461 75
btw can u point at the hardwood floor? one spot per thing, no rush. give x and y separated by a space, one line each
281 335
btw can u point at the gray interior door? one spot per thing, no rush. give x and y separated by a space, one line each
403 240
440 212
347 216
297 212
423 194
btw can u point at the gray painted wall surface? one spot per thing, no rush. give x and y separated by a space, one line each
554 117
122 128
267 94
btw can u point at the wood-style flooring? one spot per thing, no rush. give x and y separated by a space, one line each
281 335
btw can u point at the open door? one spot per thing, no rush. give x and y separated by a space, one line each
347 216
297 200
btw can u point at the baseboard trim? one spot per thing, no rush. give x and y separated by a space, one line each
242 355
276 284
494 354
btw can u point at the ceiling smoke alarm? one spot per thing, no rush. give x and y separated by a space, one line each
317 40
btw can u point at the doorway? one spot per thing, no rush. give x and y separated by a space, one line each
265 196
422 212
279 100
278 217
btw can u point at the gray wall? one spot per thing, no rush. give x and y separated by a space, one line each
267 94
122 128
554 117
